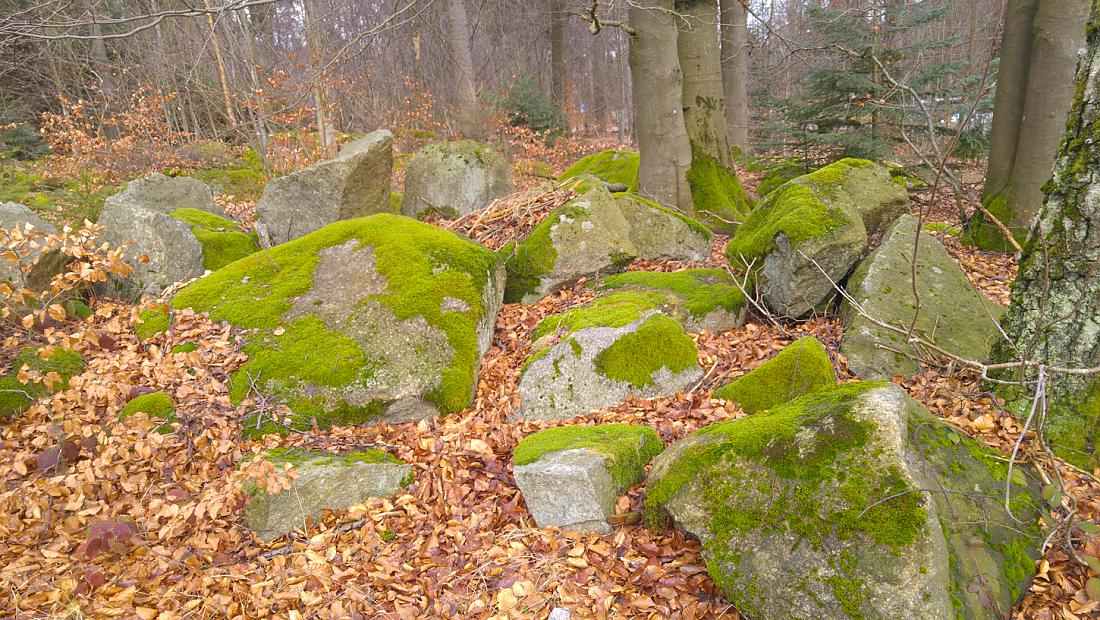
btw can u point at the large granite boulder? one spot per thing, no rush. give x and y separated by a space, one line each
32 269
800 368
819 222
660 233
613 348
354 184
326 481
143 215
381 317
851 502
455 178
571 476
586 236
953 315
700 299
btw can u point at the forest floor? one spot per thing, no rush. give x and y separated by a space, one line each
458 543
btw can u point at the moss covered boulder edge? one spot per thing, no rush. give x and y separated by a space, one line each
616 168
377 317
819 509
454 178
953 315
800 368
700 299
818 222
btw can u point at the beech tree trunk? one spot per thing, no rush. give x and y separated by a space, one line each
704 99
735 71
458 38
1035 101
1054 316
658 113
320 96
558 36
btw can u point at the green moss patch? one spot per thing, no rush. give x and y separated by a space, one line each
222 240
797 370
701 291
614 310
691 223
16 396
186 347
779 174
659 342
628 448
303 456
609 166
156 405
718 197
534 258
423 267
152 322
982 233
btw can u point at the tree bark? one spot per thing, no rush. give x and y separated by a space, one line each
735 71
1008 102
223 77
658 112
1054 316
458 38
558 38
320 97
704 99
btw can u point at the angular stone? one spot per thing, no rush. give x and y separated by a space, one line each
34 270
953 315
800 368
806 235
15 215
326 481
596 366
455 178
851 502
143 214
659 233
586 236
354 184
380 317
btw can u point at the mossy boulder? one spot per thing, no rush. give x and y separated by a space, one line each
618 168
819 222
953 315
800 368
223 241
326 481
659 233
152 322
16 395
156 406
570 476
455 178
354 184
850 502
613 350
700 299
780 173
381 317
586 236
34 270
719 200
142 214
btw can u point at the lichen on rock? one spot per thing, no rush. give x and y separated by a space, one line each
454 178
659 233
800 368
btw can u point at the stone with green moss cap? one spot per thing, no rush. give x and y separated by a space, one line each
819 222
826 507
380 317
16 395
156 406
616 349
354 184
800 368
586 236
953 315
779 173
660 233
223 241
570 476
455 178
143 215
326 481
700 299
612 167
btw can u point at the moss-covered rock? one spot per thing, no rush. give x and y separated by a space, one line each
153 321
953 315
223 241
570 476
377 317
797 370
827 507
16 396
660 233
719 200
355 183
602 362
780 173
156 406
326 481
34 270
701 299
586 236
455 178
821 221
611 166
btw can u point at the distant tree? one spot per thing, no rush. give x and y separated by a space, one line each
704 96
735 71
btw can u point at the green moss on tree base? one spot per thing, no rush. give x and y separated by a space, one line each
701 291
156 405
152 322
16 396
797 370
609 166
982 233
717 195
659 342
628 448
221 239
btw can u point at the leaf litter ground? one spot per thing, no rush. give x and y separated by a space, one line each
104 519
